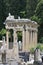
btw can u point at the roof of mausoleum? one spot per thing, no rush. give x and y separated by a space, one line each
11 18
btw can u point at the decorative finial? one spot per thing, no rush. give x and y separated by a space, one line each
18 17
10 17
9 14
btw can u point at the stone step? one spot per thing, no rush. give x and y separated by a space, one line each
4 64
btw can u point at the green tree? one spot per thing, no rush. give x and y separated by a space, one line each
2 33
15 7
39 11
38 17
39 14
31 7
35 18
2 13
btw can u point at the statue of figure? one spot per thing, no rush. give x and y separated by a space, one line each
18 17
20 45
3 51
37 56
9 14
10 17
3 47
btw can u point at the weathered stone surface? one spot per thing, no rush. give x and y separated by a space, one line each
37 56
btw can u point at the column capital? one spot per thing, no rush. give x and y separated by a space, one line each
14 29
26 27
34 30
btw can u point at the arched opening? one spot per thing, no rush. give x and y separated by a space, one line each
19 39
10 39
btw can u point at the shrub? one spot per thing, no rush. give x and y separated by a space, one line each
41 40
32 50
39 47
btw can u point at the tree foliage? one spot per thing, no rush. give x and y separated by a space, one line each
39 14
15 7
2 33
2 13
39 11
31 7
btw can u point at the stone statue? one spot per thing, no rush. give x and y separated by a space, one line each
10 17
20 45
37 56
18 17
9 14
3 51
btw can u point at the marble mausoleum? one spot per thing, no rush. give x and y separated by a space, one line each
28 29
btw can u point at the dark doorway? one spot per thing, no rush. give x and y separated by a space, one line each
19 36
4 58
19 39
10 39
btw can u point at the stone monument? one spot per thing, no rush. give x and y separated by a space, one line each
3 52
37 56
26 26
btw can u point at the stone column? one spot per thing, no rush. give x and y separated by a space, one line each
15 44
23 40
35 38
15 37
31 39
27 40
16 52
7 39
29 36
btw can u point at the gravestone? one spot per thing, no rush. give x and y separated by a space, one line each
37 56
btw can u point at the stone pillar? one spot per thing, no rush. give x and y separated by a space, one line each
27 40
7 38
23 40
35 37
15 46
30 38
15 37
16 52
